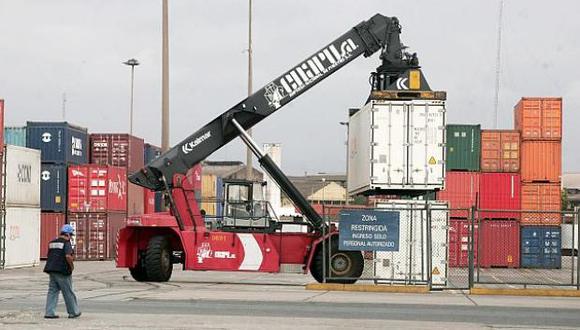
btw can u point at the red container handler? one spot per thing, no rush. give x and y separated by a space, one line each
117 150
499 191
97 188
50 225
459 236
461 191
148 201
96 234
499 243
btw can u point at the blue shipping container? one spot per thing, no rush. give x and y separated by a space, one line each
151 152
15 136
59 142
158 201
53 187
541 247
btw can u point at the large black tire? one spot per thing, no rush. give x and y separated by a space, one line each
139 273
158 265
346 264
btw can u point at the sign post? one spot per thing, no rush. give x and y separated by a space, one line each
366 230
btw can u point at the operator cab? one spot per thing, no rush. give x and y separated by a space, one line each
244 207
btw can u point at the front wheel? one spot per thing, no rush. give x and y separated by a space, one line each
138 272
158 263
343 267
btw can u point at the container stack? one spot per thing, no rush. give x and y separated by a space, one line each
19 241
463 144
125 151
539 121
60 144
97 205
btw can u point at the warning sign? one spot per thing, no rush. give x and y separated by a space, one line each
432 161
435 271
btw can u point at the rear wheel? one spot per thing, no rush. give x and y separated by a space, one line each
343 267
138 272
158 263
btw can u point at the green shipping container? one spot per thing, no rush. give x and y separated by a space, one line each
463 147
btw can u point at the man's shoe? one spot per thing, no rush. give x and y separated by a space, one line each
51 316
74 316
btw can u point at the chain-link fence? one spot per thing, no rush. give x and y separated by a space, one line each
423 254
515 248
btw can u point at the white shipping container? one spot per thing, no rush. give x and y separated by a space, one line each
22 167
22 237
397 145
411 262
570 237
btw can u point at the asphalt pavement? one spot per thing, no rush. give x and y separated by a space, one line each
109 298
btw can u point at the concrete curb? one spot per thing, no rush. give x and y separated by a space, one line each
525 292
367 288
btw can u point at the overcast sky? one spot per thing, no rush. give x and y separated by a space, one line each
48 48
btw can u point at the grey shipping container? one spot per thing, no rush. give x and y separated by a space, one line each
60 142
463 147
151 152
53 187
15 136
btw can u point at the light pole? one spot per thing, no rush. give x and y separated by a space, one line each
132 63
345 123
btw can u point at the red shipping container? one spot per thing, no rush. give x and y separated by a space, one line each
461 191
97 188
499 191
149 201
96 234
459 233
499 243
539 118
135 202
118 150
50 225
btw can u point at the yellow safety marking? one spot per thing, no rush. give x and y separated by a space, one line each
414 79
435 271
368 288
432 161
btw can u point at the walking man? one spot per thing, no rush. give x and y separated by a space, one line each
59 266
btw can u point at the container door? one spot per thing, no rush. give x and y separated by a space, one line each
426 152
389 144
552 256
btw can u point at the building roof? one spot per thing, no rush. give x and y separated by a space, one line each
228 169
310 184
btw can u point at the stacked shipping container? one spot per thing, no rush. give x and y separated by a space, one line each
539 121
482 171
20 223
61 144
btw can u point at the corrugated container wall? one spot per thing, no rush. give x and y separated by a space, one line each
60 142
15 136
397 145
541 197
459 237
22 240
209 194
539 118
461 191
53 187
499 243
22 176
463 147
500 151
541 161
96 188
541 247
499 191
96 234
50 225
118 150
